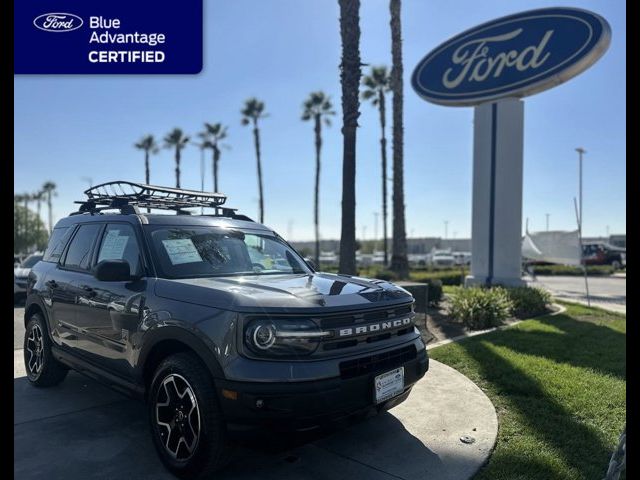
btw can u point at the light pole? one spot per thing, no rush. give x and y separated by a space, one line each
446 228
375 231
581 151
547 215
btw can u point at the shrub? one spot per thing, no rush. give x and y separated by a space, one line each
446 277
387 275
593 270
480 308
528 301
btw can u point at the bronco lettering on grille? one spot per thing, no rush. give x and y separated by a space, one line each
374 327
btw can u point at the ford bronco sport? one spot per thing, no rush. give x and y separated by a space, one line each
214 320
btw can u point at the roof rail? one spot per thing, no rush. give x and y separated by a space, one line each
128 197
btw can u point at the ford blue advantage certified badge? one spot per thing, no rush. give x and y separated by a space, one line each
108 36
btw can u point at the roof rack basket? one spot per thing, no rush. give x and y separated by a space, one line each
130 196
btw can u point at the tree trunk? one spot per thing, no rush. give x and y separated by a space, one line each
177 166
49 206
216 159
399 262
316 205
383 147
147 174
350 74
256 138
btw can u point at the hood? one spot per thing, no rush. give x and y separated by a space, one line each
317 291
21 272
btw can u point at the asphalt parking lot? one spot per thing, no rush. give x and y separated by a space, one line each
83 430
605 292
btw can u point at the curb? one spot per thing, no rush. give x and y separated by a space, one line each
561 309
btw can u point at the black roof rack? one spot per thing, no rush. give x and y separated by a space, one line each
128 197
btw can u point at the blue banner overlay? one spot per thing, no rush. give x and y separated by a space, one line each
108 36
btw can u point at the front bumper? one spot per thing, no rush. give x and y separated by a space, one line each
301 405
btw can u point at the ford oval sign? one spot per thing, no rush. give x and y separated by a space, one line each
512 56
58 22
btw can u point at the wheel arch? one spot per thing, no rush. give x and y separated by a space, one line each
166 341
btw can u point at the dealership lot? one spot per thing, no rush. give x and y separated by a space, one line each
605 292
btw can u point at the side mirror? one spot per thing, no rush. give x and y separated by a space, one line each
311 264
112 271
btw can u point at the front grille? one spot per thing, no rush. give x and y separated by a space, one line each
377 362
345 320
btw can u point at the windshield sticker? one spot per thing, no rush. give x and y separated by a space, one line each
181 250
113 246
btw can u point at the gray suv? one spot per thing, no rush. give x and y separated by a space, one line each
213 320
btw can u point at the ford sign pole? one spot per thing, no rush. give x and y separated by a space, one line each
491 67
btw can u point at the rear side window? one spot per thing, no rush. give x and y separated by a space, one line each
57 242
79 252
119 243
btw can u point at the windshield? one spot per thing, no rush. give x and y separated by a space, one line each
31 261
187 252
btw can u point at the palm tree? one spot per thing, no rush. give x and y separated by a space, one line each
317 107
350 81
377 86
399 262
212 137
177 140
49 190
252 111
38 196
148 145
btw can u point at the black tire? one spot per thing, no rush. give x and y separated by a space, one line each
180 382
42 369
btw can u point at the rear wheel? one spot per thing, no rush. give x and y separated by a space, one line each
186 422
42 369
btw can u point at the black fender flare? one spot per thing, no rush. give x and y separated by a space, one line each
191 340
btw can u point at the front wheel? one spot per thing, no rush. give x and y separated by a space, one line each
186 422
43 370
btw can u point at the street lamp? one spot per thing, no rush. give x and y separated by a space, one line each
547 215
581 151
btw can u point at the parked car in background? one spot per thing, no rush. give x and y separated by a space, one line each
442 258
603 254
462 258
21 273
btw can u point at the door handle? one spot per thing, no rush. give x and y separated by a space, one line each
51 284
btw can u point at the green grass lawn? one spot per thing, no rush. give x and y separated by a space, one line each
558 384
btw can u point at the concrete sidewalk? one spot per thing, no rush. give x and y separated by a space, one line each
82 430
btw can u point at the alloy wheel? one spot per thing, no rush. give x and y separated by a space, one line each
177 417
35 348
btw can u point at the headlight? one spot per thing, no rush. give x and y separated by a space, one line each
283 337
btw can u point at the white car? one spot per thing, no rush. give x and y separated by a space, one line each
21 272
442 258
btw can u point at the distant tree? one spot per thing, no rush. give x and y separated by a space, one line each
317 107
399 261
350 81
253 111
176 140
29 233
149 146
377 86
49 191
212 137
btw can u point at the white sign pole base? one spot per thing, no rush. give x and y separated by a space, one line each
496 230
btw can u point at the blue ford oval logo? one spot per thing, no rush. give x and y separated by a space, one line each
512 56
57 22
